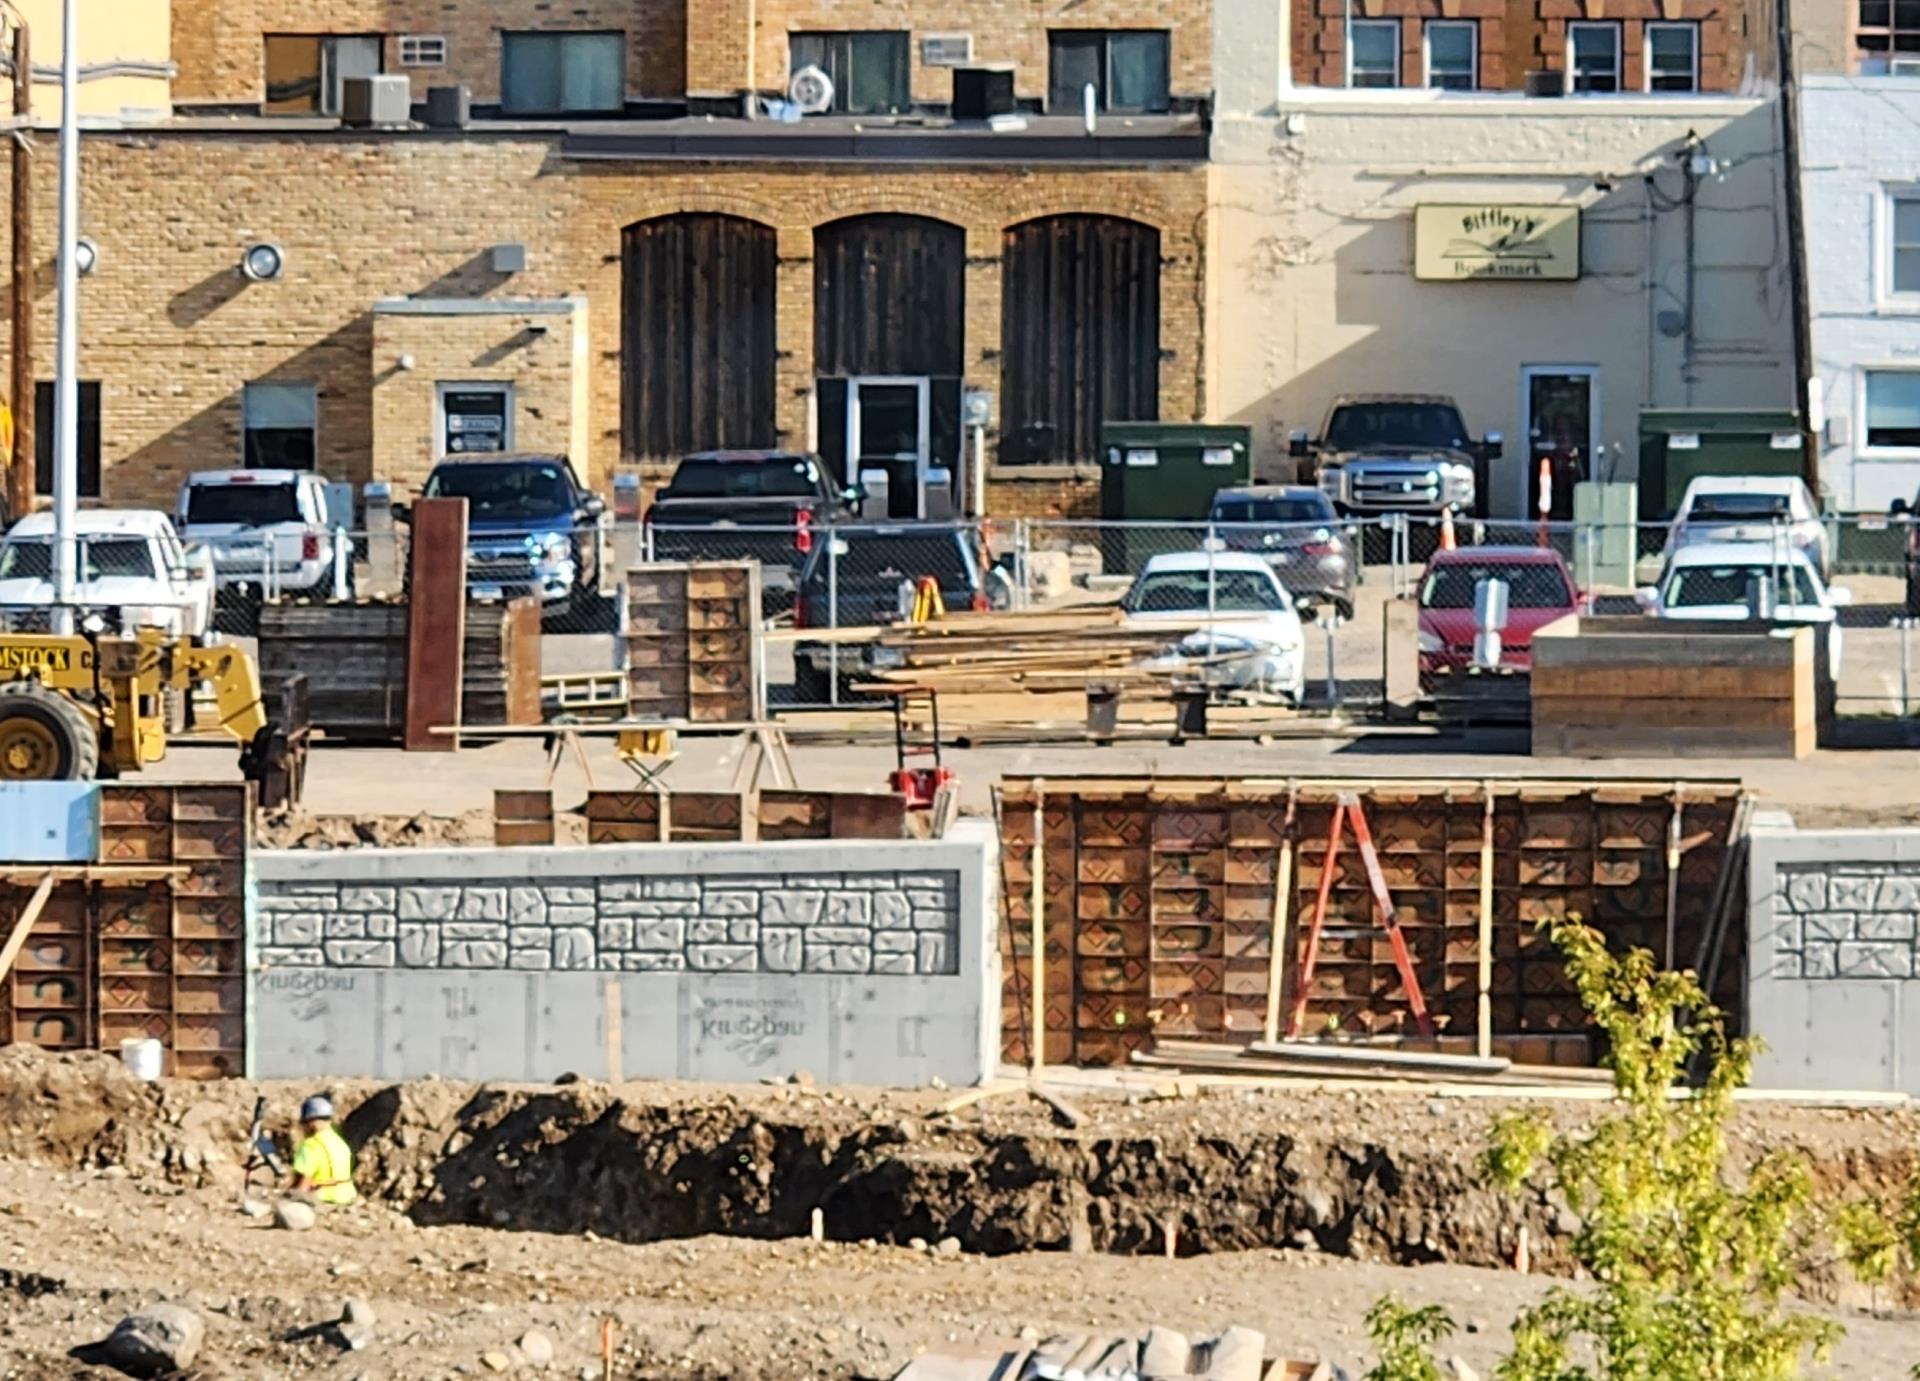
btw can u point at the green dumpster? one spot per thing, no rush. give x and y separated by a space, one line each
1159 478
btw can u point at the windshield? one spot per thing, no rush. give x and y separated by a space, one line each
1356 426
1182 592
250 505
1307 508
1736 508
1700 587
31 559
1530 585
784 478
888 558
503 490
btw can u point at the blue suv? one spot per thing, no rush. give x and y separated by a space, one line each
531 528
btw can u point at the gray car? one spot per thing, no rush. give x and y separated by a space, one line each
1295 527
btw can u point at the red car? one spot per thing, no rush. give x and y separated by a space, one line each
1540 589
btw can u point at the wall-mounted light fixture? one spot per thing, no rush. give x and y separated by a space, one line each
262 263
86 256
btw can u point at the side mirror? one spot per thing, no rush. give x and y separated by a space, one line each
1647 597
401 510
1298 446
1839 596
854 493
593 506
1899 508
1494 446
1306 607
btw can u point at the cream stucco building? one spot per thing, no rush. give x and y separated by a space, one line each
1680 296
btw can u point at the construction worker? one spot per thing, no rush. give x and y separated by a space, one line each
322 1162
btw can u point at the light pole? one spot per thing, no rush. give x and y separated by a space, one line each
66 391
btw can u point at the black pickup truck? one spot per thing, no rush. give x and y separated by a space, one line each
765 506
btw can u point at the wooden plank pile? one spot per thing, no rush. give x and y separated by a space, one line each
354 657
694 648
1155 1353
1626 687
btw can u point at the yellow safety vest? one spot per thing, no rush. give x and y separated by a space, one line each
328 1165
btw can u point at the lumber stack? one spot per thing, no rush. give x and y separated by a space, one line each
1653 688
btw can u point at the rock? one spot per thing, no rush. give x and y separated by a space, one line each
496 1361
918 1244
254 1208
156 1340
293 1215
1458 1370
803 1077
537 1348
356 1310
947 1246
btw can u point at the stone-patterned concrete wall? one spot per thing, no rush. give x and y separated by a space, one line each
1848 920
1833 934
860 961
892 923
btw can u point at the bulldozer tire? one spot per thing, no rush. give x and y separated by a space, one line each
44 737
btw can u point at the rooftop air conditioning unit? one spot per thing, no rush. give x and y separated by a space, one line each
449 107
1546 84
376 102
1904 67
811 91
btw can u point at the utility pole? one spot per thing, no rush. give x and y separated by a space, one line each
66 392
20 473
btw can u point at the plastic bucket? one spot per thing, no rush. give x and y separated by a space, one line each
143 1055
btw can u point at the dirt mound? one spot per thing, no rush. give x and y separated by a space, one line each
298 829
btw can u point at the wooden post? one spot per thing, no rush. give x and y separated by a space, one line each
20 473
1277 940
1037 951
1483 1040
436 623
1673 874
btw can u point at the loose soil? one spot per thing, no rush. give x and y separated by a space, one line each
682 1212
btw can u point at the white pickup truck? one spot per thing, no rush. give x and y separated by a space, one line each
129 565
269 531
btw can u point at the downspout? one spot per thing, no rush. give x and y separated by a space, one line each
1686 345
1796 247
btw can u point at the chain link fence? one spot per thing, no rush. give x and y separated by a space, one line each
1342 574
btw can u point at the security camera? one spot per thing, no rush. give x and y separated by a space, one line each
262 263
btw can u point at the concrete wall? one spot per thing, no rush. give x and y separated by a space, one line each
861 962
1833 934
1857 142
1310 279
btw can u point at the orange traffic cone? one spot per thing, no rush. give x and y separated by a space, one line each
1446 528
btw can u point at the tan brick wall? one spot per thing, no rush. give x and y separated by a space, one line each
1012 31
536 353
1521 36
173 332
720 48
218 44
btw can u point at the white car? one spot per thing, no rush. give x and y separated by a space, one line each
1750 508
269 531
129 564
1228 605
1713 580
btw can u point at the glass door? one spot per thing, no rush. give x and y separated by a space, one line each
889 431
1560 419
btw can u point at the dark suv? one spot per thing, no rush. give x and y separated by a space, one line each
868 575
532 527
1296 530
765 506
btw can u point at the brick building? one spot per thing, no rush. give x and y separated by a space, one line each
612 260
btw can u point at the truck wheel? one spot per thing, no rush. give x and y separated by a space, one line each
811 685
44 737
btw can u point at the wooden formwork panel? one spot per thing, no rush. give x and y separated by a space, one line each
123 958
1159 905
693 648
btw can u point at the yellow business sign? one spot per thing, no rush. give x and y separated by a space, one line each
1493 240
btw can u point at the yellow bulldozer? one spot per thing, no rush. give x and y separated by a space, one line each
78 706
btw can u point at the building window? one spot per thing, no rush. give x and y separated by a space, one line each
1888 36
1593 57
423 50
1127 68
868 69
1673 57
1374 57
1453 54
562 73
1891 416
1903 244
46 433
304 72
279 422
